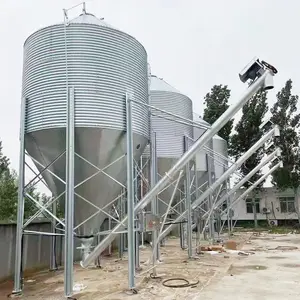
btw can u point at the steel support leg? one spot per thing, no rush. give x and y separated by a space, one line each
228 214
130 196
20 217
188 202
53 265
154 202
69 205
182 226
109 229
197 211
121 235
210 198
137 234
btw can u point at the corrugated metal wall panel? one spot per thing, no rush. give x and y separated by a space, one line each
170 134
103 64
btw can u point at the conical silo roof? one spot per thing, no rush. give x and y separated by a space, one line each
158 84
87 18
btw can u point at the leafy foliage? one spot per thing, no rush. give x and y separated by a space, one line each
248 133
284 114
4 162
216 102
8 196
9 193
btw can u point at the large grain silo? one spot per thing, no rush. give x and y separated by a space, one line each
102 64
169 134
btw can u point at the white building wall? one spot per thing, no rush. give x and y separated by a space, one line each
269 198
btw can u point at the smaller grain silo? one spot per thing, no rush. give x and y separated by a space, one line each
202 155
216 149
169 133
221 154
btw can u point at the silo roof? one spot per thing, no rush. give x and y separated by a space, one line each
158 84
199 120
87 18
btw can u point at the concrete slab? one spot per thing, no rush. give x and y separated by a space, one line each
269 274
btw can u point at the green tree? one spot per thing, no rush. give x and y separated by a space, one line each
247 134
8 189
4 161
8 196
284 114
9 193
216 102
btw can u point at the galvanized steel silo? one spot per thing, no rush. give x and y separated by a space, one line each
202 154
169 134
102 64
221 154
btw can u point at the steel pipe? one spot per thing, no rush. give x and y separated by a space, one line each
245 179
203 140
225 176
20 215
69 206
253 186
130 196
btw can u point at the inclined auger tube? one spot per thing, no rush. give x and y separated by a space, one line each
226 175
260 82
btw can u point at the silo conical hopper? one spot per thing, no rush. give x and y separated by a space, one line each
102 64
169 134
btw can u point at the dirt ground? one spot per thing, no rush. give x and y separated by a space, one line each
267 272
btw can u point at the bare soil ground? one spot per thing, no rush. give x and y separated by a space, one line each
270 272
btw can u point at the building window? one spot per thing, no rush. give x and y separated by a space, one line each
249 206
287 204
224 205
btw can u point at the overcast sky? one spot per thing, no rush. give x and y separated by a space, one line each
192 44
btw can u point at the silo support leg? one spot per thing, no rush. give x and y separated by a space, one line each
188 200
130 197
20 217
69 206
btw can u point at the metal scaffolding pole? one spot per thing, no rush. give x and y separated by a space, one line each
20 216
225 176
188 201
69 199
130 196
266 76
253 186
